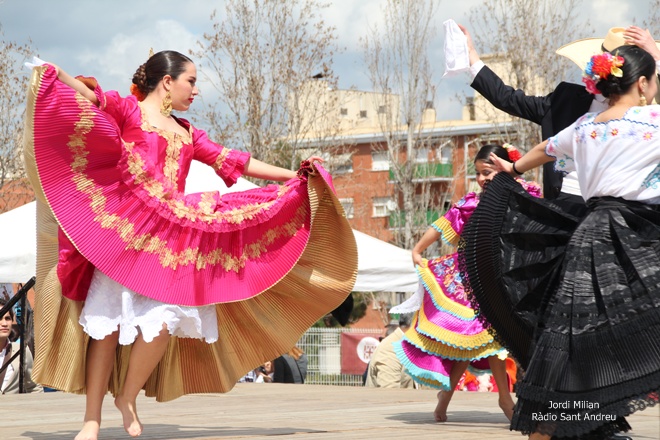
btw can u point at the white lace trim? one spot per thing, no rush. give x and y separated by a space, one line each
412 304
111 306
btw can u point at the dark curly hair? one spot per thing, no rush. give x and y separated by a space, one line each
637 63
167 62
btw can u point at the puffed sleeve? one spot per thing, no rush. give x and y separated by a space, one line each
561 148
111 102
228 164
450 226
93 85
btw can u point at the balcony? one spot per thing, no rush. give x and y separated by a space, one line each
398 219
431 171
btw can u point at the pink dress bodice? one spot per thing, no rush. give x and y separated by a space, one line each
168 155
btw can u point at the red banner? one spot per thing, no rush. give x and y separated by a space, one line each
356 350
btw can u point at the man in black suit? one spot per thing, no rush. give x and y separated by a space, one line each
560 108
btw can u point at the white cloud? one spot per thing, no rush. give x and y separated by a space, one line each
118 59
110 39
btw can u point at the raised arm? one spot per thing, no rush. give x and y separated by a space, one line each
502 96
642 38
262 170
532 159
76 85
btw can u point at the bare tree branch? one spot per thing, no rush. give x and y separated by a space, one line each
522 37
15 189
271 60
399 69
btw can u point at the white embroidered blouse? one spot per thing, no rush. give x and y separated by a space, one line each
618 158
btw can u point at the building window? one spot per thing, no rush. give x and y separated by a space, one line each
363 113
382 109
380 161
339 163
445 154
343 111
421 155
382 206
347 204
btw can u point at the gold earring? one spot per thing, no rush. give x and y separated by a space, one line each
642 101
166 105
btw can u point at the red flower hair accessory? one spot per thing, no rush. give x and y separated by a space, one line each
600 67
135 91
512 151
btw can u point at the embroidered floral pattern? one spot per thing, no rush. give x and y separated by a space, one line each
653 179
444 270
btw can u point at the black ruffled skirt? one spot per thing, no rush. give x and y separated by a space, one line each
575 299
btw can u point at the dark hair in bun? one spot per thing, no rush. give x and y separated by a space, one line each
637 63
167 62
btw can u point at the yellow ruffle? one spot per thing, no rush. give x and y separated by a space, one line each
435 290
470 347
448 233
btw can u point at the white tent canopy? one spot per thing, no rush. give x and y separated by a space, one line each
382 267
19 244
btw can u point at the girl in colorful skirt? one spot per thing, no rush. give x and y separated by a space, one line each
446 335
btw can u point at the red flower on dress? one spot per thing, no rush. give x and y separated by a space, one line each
614 131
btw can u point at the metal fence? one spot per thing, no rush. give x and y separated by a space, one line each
323 349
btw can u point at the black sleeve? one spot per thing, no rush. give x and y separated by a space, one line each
508 99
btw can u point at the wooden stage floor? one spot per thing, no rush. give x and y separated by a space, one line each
282 411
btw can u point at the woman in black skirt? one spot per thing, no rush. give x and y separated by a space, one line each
577 299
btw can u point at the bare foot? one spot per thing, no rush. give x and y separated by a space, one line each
89 431
440 412
128 411
506 405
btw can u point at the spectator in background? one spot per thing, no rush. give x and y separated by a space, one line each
264 373
9 378
385 370
291 367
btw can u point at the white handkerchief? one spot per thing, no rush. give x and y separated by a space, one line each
412 304
35 63
457 58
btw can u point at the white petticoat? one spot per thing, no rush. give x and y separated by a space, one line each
109 306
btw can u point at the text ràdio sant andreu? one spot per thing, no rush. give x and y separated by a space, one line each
573 416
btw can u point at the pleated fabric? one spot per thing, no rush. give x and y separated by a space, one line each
128 220
577 301
255 324
445 329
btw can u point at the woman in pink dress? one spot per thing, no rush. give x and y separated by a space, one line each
153 289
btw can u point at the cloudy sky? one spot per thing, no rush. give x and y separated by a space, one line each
109 39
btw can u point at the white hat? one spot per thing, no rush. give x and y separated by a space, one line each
581 51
